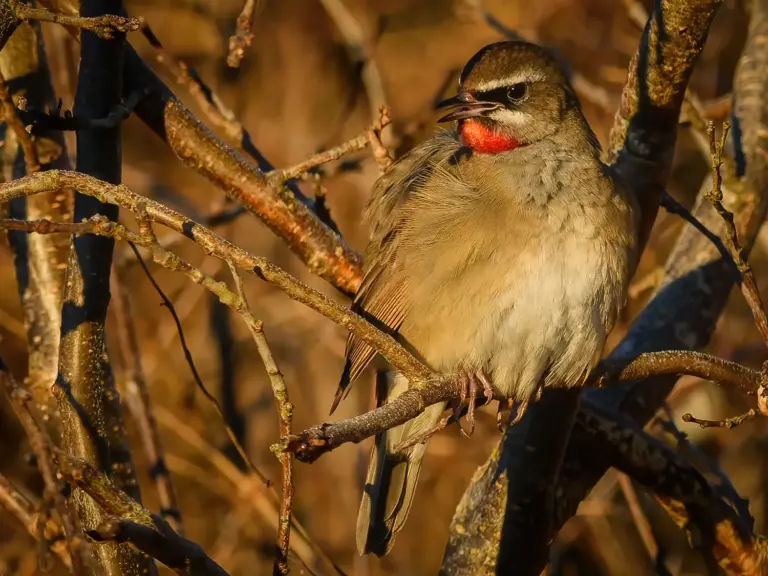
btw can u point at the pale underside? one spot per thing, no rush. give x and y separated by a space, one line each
517 269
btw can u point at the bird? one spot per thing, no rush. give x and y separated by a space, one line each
500 250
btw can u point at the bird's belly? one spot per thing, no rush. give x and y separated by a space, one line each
535 319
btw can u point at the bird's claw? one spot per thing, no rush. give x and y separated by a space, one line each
471 382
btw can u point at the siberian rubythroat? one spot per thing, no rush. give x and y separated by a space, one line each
500 250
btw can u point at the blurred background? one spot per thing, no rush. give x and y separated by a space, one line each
302 88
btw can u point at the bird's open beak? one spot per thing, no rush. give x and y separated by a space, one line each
466 107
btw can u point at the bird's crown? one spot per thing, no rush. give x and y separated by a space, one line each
509 64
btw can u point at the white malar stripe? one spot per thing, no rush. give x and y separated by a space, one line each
510 117
528 75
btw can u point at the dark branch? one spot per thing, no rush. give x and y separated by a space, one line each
161 543
92 420
127 521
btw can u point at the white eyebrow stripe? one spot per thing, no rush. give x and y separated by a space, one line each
528 75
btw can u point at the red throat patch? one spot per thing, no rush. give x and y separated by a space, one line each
480 138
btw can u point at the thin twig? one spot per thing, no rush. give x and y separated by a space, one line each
715 198
169 260
103 26
42 447
694 453
731 422
243 36
177 321
380 153
254 490
136 396
360 51
301 169
639 516
285 415
216 246
674 207
212 106
12 119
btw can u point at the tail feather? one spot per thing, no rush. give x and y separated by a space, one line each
391 480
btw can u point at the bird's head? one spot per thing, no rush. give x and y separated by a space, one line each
511 94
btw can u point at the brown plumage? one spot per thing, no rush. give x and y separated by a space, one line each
504 246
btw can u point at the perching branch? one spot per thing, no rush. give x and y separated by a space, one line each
427 388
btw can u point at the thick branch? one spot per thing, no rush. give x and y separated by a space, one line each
281 208
711 520
92 425
159 542
284 209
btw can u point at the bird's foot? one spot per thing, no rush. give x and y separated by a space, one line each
504 416
471 383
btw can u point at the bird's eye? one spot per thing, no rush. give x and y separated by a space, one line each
517 92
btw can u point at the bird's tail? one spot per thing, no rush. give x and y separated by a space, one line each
392 476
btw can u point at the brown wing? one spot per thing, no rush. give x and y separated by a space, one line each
383 297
